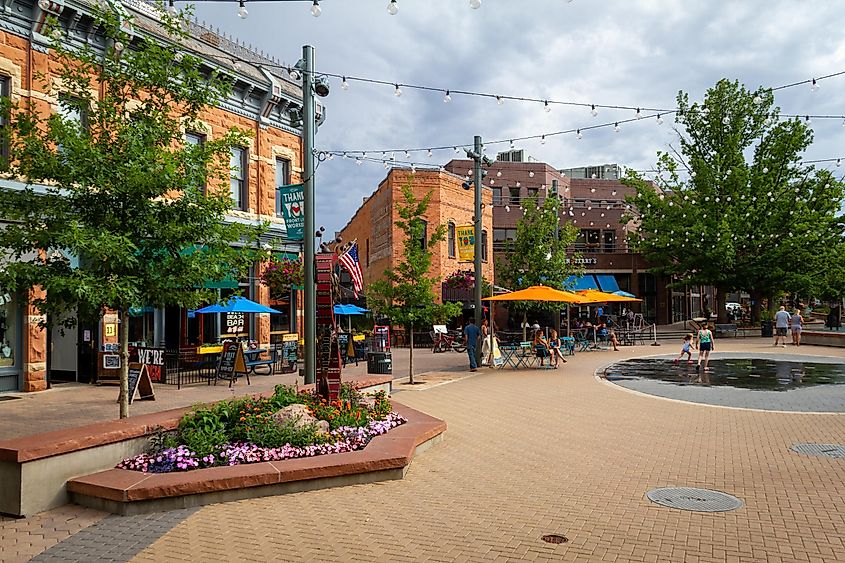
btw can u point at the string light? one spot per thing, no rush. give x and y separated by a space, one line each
344 85
593 111
242 11
171 7
393 8
315 9
547 107
475 4
639 114
397 91
447 98
543 140
499 100
616 128
814 87
659 119
579 135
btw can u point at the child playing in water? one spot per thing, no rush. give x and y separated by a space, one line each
686 349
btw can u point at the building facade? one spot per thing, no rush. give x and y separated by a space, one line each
264 102
381 242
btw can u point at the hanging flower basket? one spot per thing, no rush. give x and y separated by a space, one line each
462 279
280 275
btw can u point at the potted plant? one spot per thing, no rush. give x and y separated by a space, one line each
280 274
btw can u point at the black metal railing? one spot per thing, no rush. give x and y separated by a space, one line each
185 367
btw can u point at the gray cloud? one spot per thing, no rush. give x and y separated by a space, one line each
609 52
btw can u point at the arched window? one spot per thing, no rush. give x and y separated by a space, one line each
451 239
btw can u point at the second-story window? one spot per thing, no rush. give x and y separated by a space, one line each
195 140
282 179
423 240
73 110
451 239
237 165
5 92
532 193
497 196
514 195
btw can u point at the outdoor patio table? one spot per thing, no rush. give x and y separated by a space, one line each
509 356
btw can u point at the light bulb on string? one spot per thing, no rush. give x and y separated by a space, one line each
579 134
475 4
344 85
393 8
659 119
315 9
531 174
507 209
807 120
331 156
838 162
430 154
397 90
726 120
616 128
639 114
447 98
757 100
385 164
499 174
543 140
407 154
512 145
171 7
345 156
593 111
499 100
546 106
457 150
814 87
358 161
242 11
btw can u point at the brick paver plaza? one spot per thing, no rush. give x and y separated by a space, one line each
529 453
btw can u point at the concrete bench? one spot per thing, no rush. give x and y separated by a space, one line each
725 329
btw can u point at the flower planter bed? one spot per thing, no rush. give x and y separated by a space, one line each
34 469
386 457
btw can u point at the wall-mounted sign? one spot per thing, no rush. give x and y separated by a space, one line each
111 361
234 323
583 261
86 336
110 329
466 242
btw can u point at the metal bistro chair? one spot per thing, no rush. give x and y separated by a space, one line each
567 345
582 342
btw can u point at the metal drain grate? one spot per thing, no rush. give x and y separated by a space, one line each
836 451
696 500
555 538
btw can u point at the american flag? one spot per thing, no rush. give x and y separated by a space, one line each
349 260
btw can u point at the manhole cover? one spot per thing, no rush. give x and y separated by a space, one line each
697 500
836 451
555 538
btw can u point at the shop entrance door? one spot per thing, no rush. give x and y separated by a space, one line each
10 344
87 346
63 354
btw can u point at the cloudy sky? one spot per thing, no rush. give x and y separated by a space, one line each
613 52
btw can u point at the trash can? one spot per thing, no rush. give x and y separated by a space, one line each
379 362
766 328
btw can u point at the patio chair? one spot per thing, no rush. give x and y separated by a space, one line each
582 342
567 345
543 353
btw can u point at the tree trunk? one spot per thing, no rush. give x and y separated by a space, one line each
721 312
123 337
411 357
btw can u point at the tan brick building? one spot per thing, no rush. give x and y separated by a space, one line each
263 103
380 242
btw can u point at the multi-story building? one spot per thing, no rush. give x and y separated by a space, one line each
381 242
264 101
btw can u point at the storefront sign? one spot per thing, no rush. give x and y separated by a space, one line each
110 329
293 201
234 323
466 242
583 261
153 358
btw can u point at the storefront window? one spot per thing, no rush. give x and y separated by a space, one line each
141 326
8 331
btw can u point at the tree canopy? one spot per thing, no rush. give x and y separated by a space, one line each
115 212
734 206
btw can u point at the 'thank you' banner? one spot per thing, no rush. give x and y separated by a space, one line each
293 201
466 243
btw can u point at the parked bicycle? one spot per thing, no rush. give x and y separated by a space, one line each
444 341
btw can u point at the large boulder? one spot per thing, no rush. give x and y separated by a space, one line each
299 416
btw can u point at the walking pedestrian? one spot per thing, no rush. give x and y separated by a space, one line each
485 342
471 335
797 323
705 346
781 325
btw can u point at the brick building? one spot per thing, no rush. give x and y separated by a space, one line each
263 102
380 242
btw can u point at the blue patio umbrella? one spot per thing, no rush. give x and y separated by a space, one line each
349 310
237 304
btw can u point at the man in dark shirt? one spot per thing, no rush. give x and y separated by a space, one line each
471 335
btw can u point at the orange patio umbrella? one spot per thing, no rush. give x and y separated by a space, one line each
540 293
596 296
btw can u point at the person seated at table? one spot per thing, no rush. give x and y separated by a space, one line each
611 337
541 346
554 348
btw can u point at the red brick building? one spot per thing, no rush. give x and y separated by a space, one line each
262 102
380 242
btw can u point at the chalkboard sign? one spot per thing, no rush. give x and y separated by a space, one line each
140 383
343 341
231 362
289 351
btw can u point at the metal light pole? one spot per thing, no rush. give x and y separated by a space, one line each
308 126
477 178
